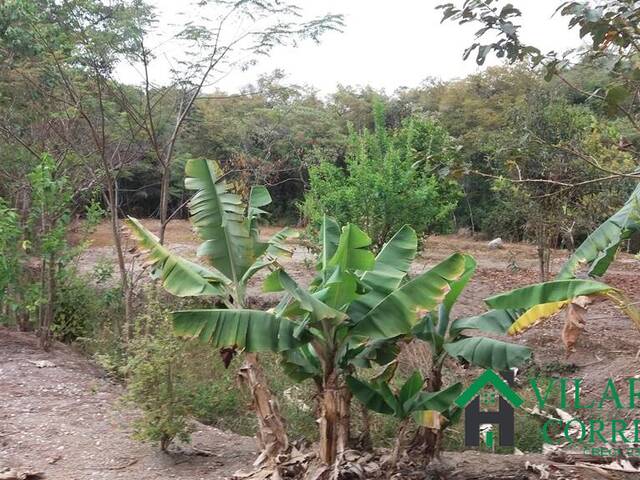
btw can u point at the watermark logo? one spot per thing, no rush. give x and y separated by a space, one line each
475 417
603 426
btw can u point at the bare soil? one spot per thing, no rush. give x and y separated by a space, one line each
65 420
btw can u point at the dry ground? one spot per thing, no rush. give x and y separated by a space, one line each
66 420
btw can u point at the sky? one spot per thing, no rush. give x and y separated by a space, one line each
385 44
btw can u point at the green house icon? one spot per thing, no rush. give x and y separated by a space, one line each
504 417
489 377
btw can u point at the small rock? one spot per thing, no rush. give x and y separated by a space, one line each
496 243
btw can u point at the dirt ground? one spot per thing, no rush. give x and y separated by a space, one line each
66 420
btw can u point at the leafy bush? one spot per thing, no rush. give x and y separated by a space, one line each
156 380
391 178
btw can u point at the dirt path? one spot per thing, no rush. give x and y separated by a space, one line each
65 421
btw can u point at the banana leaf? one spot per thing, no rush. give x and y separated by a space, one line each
599 248
398 313
554 291
179 276
251 330
218 217
391 266
488 353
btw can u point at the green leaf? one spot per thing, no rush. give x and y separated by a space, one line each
353 250
439 401
457 286
397 314
488 352
410 389
251 330
218 217
304 300
555 291
179 277
302 363
369 397
390 269
599 249
329 238
493 321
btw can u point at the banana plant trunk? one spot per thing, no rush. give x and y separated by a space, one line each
334 419
272 435
427 441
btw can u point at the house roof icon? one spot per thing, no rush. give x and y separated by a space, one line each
489 377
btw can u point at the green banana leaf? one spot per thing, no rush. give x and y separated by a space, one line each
251 330
305 302
218 217
302 363
329 238
179 277
276 249
391 266
554 291
371 397
457 286
397 314
353 251
600 248
488 353
493 321
439 401
408 391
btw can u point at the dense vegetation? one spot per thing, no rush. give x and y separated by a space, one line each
532 151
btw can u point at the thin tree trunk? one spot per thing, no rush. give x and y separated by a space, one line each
49 311
112 202
272 435
165 186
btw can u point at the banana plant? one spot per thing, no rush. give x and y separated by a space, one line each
428 409
599 249
450 339
518 310
357 303
234 252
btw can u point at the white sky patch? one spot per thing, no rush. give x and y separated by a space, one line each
386 44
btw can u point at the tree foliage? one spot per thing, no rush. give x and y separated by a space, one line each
390 178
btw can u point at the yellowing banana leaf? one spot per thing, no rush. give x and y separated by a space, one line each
599 248
625 304
397 313
429 419
251 330
548 292
179 277
536 314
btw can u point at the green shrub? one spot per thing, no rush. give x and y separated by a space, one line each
391 178
157 380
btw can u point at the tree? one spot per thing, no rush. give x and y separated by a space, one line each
209 49
537 172
390 179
